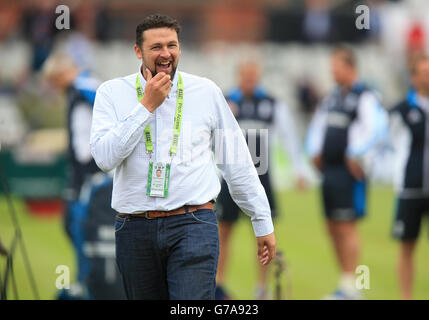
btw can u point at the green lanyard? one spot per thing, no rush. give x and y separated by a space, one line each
177 117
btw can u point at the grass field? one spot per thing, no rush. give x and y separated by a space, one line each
300 235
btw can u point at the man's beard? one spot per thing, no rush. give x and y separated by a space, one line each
154 72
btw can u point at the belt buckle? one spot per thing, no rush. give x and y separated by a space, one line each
146 215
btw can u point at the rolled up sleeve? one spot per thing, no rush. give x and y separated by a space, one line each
112 140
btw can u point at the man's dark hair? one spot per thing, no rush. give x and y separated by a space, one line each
156 21
347 54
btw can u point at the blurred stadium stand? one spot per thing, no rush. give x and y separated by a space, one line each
292 39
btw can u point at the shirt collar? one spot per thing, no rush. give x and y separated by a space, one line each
174 84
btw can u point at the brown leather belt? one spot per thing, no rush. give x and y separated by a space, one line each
161 214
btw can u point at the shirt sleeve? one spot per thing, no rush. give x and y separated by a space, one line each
316 131
286 129
368 128
112 139
81 117
233 159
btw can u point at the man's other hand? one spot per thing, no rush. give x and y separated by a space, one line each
355 168
317 162
266 248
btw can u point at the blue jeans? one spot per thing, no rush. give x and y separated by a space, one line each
168 258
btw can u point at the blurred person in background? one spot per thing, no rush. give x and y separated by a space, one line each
308 98
39 28
255 109
317 21
346 125
409 122
88 195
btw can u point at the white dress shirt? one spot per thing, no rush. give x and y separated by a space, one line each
117 142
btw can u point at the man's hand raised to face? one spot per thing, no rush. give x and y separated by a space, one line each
156 90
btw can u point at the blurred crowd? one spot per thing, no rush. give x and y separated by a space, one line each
291 38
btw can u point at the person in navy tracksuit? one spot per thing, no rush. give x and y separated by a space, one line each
345 128
258 112
409 124
88 193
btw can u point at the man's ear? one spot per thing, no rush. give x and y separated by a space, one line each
138 51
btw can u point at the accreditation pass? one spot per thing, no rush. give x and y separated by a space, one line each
158 179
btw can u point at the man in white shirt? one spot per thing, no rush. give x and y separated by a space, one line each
167 242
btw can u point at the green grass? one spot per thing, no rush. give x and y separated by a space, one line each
46 245
300 235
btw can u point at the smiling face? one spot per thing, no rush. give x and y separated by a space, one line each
159 50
